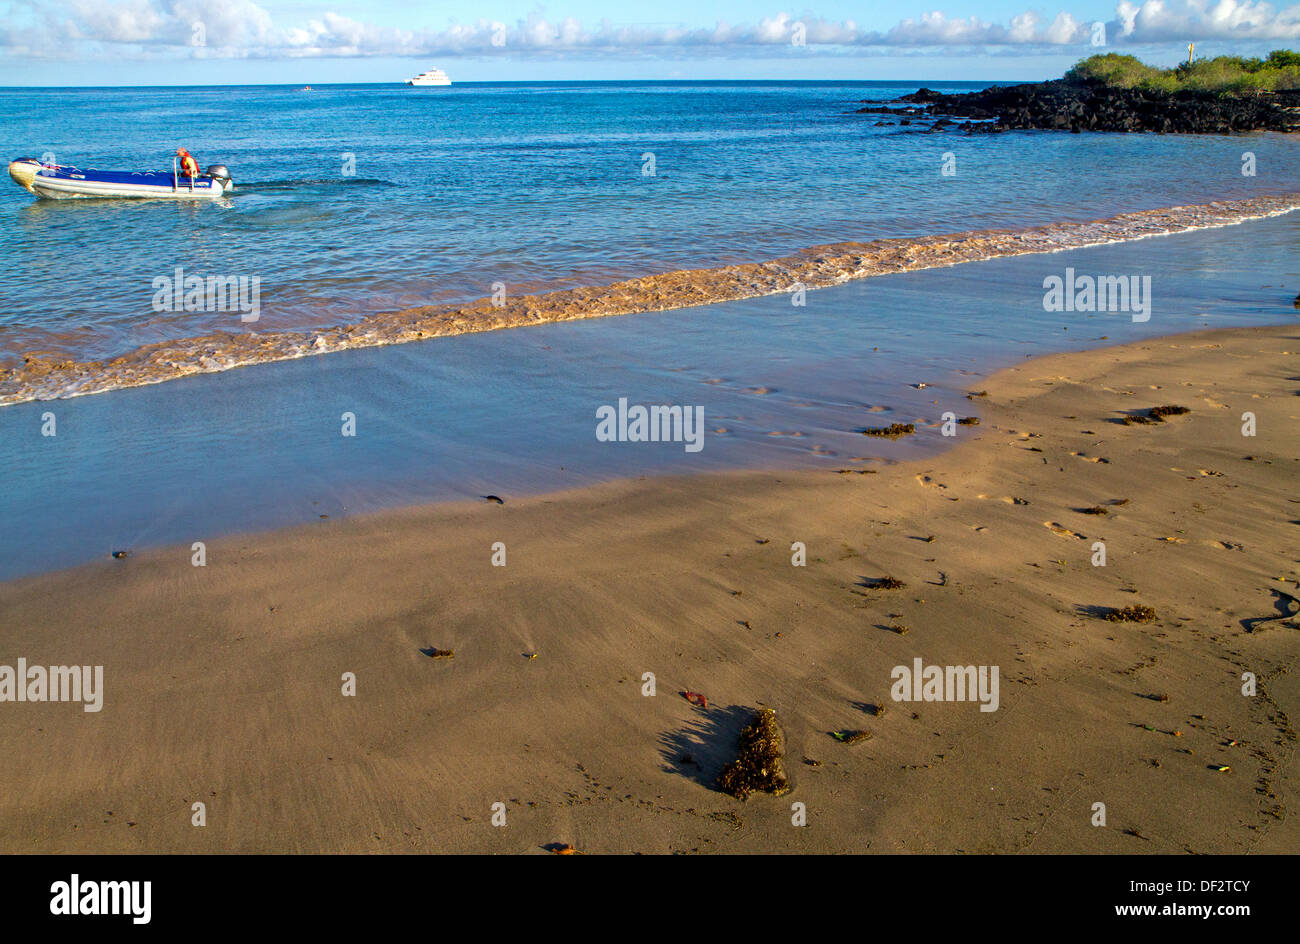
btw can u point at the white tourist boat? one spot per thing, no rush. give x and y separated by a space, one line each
432 77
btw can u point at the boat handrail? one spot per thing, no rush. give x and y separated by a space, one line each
175 183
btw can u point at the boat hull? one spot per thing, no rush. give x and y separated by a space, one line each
61 182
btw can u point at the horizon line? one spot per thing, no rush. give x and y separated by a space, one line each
404 82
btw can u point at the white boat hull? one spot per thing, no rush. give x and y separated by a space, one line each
432 77
61 183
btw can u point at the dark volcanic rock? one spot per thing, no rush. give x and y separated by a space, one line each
890 110
1075 106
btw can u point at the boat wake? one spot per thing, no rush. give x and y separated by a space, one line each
270 186
816 267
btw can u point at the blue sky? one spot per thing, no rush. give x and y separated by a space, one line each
124 42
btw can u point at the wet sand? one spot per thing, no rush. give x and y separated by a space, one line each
223 683
42 376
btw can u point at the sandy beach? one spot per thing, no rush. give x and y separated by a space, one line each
223 684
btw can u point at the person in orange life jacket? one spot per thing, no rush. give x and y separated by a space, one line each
189 166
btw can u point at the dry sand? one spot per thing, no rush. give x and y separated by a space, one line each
223 682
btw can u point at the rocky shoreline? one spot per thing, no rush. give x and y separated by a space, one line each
1063 105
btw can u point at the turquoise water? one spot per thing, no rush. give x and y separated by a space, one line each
353 200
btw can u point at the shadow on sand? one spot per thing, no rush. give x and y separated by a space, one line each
701 749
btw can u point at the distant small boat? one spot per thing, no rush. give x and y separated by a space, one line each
61 181
305 88
432 77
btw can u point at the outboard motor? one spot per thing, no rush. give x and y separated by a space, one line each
221 174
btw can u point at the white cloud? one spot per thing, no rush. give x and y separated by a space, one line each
128 21
1065 29
1024 28
935 29
243 28
1126 14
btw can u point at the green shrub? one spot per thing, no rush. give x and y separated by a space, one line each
1112 69
1279 71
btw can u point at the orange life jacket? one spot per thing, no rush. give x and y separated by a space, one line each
189 167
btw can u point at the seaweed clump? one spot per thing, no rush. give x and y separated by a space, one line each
886 583
757 766
1137 613
1156 414
892 431
851 737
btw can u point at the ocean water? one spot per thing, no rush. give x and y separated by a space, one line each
514 412
540 187
358 200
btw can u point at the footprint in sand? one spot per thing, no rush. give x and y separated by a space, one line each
929 482
1087 458
1004 498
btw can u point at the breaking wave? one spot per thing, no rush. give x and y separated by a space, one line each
816 267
